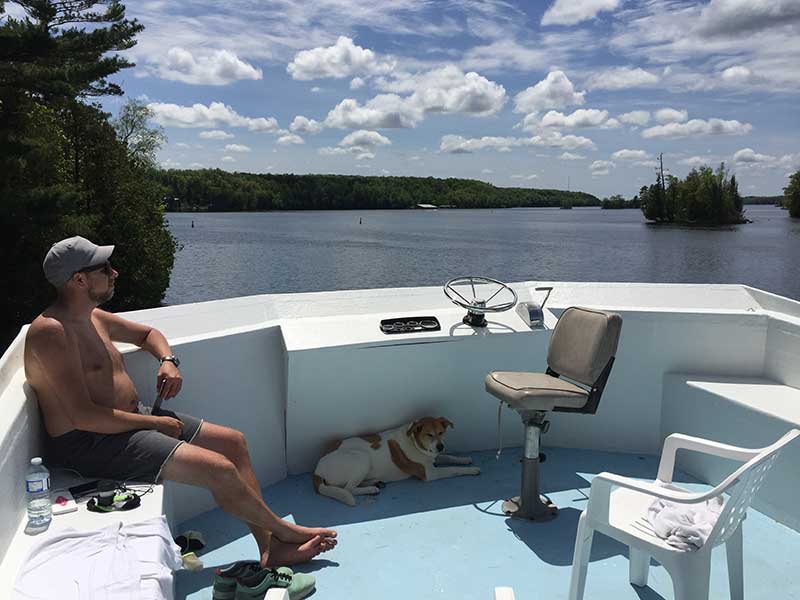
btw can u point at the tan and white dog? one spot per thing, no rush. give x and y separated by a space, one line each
354 466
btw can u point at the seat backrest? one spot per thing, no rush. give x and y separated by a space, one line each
743 484
583 343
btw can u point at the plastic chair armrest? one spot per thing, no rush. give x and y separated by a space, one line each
679 441
604 483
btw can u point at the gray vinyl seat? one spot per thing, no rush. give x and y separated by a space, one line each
582 349
535 391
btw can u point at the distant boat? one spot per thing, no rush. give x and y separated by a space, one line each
427 206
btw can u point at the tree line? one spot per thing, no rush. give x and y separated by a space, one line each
221 191
67 168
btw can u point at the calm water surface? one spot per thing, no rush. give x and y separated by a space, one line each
239 254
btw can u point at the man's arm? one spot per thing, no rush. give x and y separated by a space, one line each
168 378
59 361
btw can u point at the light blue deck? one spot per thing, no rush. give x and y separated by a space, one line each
449 539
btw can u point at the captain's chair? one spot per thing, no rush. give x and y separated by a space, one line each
582 349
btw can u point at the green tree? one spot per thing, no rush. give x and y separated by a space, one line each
791 194
140 138
64 171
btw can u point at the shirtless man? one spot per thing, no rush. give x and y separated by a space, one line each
96 425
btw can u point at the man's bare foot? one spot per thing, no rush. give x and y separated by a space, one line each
282 554
297 534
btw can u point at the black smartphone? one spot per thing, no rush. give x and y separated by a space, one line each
84 489
157 403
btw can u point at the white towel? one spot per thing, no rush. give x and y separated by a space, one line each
684 526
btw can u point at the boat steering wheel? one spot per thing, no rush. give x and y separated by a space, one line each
479 305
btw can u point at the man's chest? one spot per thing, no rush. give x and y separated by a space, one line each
98 355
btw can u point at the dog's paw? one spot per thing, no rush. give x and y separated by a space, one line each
466 460
472 471
371 489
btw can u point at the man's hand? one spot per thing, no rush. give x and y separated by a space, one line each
168 381
168 426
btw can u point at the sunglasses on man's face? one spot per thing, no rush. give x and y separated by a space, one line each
105 267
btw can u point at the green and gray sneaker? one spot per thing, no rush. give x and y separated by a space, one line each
225 578
254 587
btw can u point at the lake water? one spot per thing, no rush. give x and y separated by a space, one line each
238 254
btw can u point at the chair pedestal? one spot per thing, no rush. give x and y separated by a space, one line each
530 504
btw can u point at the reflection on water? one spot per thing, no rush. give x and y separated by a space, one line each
236 254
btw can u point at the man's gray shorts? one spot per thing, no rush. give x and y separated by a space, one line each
138 455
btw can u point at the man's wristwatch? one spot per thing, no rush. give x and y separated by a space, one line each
171 358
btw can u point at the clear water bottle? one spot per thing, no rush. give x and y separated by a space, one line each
37 491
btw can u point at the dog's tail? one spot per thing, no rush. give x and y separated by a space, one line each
337 493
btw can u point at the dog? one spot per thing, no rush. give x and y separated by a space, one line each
359 465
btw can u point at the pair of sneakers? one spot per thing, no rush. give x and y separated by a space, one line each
248 580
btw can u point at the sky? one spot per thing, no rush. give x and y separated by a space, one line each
566 94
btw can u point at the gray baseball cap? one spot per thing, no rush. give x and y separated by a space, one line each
71 255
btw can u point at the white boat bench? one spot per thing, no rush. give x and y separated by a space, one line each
20 439
749 412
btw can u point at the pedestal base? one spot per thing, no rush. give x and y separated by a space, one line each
543 510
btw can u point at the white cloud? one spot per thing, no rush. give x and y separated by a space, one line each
196 165
748 155
365 156
749 158
626 154
443 90
737 74
216 134
218 67
316 89
635 117
487 171
170 164
570 156
382 111
356 83
601 167
237 148
730 18
290 138
213 115
301 124
699 41
330 151
228 159
526 177
456 144
554 91
365 139
182 145
343 59
620 78
570 12
695 161
505 54
583 117
697 127
671 115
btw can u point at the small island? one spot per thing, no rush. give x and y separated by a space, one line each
705 198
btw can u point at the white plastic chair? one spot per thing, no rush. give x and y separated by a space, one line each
618 505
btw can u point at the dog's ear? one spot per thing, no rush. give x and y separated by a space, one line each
414 428
446 423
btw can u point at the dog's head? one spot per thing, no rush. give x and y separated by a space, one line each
427 434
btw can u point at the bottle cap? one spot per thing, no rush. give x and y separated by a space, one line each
36 461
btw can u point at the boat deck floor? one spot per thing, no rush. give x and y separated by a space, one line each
449 539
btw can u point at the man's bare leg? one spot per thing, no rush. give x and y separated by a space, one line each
272 550
194 465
